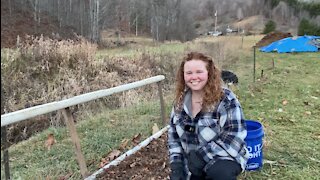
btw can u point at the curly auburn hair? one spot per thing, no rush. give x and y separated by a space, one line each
212 90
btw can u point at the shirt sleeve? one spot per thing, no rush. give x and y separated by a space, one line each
174 144
230 141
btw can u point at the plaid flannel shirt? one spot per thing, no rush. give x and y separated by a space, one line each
215 135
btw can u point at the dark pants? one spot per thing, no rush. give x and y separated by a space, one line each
221 170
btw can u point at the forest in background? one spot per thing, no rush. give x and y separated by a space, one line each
159 19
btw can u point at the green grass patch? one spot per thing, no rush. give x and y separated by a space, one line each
286 100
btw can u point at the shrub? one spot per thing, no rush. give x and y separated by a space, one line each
269 27
307 28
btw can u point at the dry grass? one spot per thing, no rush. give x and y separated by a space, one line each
45 70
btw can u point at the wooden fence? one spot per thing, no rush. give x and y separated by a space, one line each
25 114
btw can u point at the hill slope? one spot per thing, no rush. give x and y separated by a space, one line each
17 21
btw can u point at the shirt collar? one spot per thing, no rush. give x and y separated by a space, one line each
187 103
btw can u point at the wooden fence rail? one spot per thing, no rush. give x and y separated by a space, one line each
25 114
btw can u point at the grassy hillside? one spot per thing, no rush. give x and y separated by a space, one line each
284 98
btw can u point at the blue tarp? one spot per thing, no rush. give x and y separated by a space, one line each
293 44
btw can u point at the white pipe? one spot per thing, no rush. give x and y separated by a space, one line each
27 113
128 153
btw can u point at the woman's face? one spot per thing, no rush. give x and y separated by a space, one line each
195 74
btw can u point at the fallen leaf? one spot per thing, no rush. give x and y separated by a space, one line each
163 165
284 102
102 164
292 120
103 160
266 144
313 159
133 164
65 177
136 138
155 128
307 113
124 144
316 136
282 161
50 141
269 162
113 154
314 97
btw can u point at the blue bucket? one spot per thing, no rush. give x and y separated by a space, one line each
254 144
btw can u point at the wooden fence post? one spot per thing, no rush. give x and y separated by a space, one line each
5 152
76 141
163 111
4 140
254 63
272 63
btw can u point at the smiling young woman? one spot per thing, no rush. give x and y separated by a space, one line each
207 127
196 77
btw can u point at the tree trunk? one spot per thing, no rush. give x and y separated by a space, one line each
136 25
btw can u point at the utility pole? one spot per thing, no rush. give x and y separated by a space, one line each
215 22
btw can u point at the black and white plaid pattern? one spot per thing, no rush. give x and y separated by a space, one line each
215 135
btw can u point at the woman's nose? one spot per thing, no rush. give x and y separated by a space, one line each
194 76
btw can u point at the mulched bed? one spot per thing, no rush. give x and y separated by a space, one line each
150 163
272 37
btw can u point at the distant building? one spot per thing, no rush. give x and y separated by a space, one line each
214 33
230 30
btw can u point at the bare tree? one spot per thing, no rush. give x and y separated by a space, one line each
94 21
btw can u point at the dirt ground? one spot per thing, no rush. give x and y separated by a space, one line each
149 163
